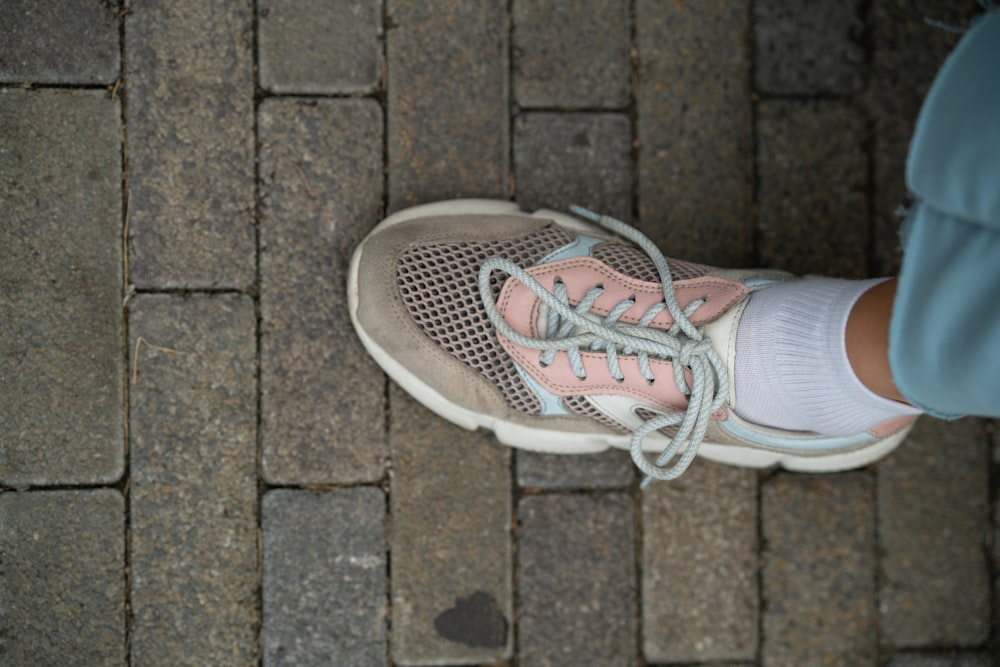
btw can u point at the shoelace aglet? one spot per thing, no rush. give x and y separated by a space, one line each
646 481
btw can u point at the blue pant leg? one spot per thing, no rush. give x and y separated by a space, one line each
945 333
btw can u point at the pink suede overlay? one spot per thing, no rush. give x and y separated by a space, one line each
892 426
520 308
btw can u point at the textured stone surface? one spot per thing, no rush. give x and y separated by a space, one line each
950 659
576 580
450 541
190 144
59 41
694 129
324 560
933 499
818 570
323 398
192 426
447 100
319 47
61 369
697 607
608 470
813 210
571 54
808 48
62 583
907 53
564 159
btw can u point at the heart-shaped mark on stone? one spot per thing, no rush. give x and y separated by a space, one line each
474 621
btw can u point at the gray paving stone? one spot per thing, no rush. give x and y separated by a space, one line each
812 167
192 430
447 100
323 398
612 469
808 48
61 372
59 41
190 144
953 659
324 561
571 54
694 129
699 555
907 52
450 541
62 587
319 47
933 500
580 158
576 581
819 570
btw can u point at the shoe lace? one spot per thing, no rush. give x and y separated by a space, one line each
568 329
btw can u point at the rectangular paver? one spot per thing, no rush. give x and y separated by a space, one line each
190 144
699 566
942 659
612 469
579 158
62 369
62 582
809 48
812 167
192 427
450 541
571 54
59 41
324 597
576 580
447 100
933 496
819 570
320 47
694 129
323 398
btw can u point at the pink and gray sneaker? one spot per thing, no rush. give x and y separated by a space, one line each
572 334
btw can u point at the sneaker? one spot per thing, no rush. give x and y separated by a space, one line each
571 334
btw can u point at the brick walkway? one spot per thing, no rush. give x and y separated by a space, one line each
198 463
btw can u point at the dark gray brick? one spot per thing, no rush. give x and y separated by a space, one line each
819 570
952 659
572 54
933 515
694 129
59 41
192 417
907 52
323 398
699 587
190 144
324 566
608 470
813 210
62 368
584 159
808 48
576 581
447 100
62 587
320 47
450 541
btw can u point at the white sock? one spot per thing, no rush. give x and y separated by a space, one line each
792 370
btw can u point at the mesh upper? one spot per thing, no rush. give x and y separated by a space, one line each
439 286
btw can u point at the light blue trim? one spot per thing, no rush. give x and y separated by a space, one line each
761 282
804 444
578 248
551 404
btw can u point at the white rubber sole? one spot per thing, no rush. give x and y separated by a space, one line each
562 442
